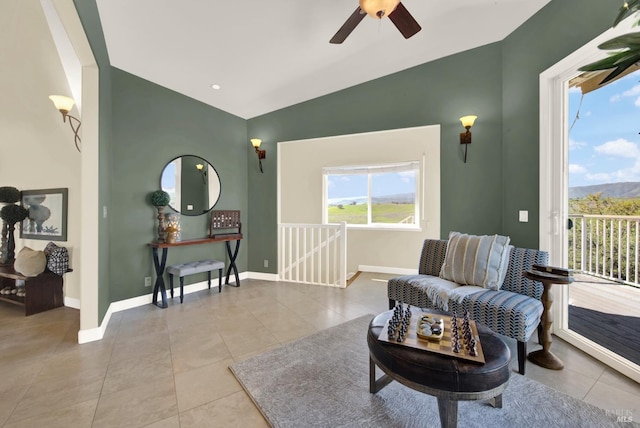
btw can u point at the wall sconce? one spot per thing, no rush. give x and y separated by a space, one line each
64 105
465 137
262 154
203 173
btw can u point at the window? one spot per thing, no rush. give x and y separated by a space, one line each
373 195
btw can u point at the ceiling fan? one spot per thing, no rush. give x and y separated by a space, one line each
395 10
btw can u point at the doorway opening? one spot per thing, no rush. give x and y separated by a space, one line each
604 210
555 122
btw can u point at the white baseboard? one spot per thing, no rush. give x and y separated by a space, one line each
93 334
262 276
389 270
72 303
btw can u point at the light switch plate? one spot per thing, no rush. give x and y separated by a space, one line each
523 216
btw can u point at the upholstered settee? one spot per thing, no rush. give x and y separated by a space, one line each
513 310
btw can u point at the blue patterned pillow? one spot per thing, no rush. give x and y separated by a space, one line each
476 260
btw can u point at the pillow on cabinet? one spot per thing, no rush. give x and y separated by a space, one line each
30 262
57 258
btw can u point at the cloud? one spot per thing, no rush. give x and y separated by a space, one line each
574 89
576 145
619 148
407 176
633 92
333 181
602 177
576 169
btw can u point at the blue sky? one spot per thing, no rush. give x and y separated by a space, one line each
604 144
345 186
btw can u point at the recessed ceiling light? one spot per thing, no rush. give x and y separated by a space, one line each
214 86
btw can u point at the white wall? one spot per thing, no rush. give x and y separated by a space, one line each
36 147
300 169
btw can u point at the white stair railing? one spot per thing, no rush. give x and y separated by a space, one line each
313 253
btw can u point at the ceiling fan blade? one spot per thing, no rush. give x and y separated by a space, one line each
348 26
404 22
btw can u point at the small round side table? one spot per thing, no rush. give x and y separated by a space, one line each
544 357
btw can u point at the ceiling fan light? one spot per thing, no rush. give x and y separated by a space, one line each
373 7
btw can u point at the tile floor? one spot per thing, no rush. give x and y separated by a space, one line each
168 368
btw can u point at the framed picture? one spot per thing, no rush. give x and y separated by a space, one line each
47 218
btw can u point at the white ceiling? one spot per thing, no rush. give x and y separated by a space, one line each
270 54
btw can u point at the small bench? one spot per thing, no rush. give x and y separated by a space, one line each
191 268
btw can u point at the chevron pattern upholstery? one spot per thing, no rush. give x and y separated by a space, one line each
513 311
432 257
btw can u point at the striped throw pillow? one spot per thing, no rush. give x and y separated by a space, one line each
476 260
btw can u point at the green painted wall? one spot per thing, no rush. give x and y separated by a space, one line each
151 126
193 190
146 125
88 13
498 82
553 33
439 92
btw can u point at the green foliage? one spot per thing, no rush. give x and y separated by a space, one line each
352 214
627 9
159 198
380 213
608 242
595 204
9 195
627 45
13 214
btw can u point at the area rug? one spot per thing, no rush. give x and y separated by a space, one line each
323 381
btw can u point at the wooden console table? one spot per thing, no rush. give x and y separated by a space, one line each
544 357
160 262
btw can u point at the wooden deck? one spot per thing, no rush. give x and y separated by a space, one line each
607 313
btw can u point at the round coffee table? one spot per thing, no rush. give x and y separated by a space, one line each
447 378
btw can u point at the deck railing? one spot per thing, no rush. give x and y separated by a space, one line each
313 253
605 246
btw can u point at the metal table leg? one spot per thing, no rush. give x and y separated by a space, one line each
159 285
232 263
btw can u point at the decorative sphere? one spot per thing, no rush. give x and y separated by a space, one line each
160 198
9 195
13 214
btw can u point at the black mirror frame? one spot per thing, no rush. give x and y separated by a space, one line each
211 205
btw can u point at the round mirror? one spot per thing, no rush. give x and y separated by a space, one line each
192 183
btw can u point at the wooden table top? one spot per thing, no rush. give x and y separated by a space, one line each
548 277
207 240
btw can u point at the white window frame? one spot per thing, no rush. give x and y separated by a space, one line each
370 170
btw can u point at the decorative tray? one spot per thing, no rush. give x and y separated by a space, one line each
441 345
430 328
